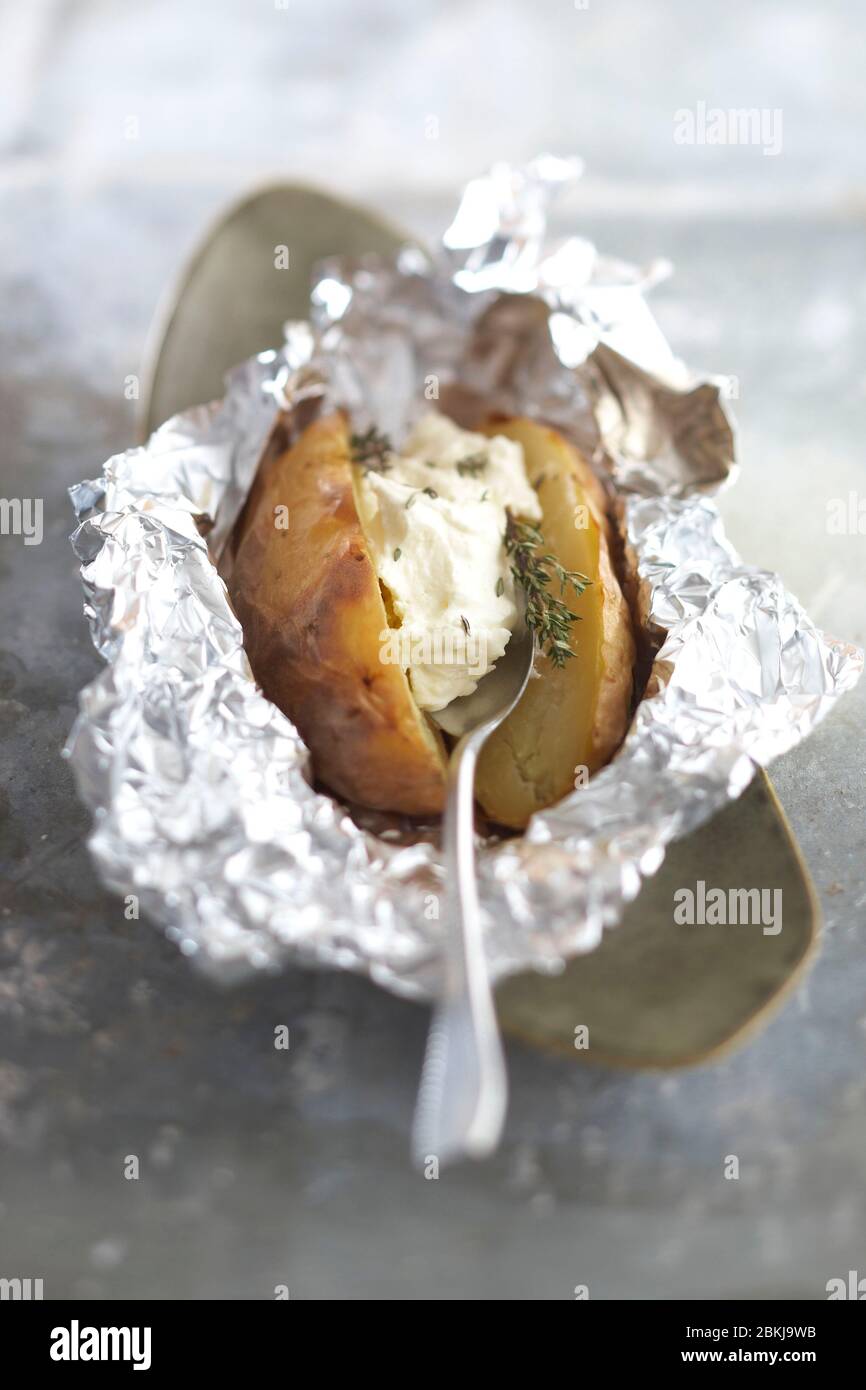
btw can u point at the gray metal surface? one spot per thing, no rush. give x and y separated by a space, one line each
261 1167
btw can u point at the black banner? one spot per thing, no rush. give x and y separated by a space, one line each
159 1337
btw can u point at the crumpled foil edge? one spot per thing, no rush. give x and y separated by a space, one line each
200 788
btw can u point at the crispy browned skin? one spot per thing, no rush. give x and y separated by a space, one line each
310 605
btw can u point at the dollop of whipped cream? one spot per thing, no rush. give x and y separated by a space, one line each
434 515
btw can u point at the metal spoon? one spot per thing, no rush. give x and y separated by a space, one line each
230 298
463 1093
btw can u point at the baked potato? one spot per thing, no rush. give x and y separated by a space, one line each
313 611
572 716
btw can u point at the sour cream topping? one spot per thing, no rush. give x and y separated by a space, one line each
434 516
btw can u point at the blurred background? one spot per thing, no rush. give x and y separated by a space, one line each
123 130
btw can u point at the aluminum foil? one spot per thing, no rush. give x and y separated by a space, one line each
201 790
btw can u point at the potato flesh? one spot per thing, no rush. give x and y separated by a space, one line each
571 717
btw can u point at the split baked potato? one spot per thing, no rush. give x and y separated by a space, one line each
313 612
571 718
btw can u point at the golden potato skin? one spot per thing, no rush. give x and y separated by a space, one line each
576 715
309 602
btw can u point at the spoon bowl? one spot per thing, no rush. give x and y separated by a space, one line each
499 691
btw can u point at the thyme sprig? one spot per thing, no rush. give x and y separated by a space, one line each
472 465
547 613
427 491
371 448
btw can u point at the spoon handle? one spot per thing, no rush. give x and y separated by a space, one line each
463 1093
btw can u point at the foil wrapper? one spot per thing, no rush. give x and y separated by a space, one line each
201 789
